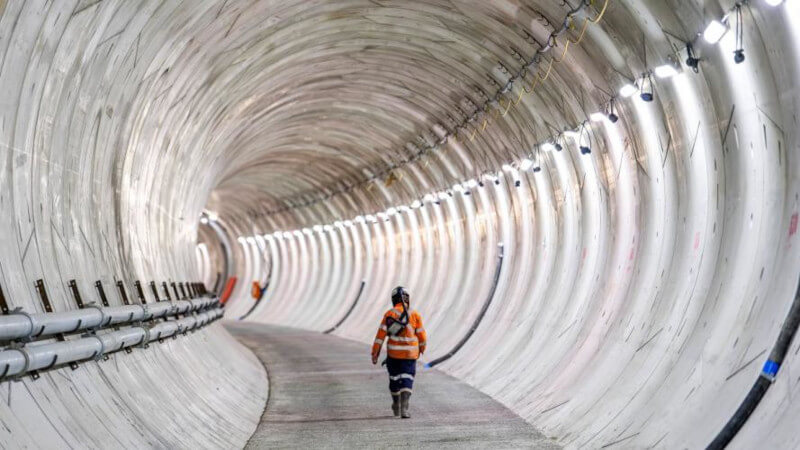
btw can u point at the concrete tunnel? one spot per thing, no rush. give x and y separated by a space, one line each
593 204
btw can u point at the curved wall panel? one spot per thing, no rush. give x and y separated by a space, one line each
642 284
93 186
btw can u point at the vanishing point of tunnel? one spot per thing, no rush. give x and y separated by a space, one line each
574 220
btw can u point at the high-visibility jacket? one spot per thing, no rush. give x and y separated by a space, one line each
409 343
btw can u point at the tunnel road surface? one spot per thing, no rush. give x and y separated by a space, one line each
325 393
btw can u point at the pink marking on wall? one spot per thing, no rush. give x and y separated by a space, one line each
696 240
793 225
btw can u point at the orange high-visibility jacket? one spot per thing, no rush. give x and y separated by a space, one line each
409 343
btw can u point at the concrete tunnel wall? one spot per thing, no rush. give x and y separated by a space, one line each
90 189
642 284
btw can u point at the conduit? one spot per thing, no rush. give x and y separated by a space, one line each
349 310
21 325
764 380
478 319
20 360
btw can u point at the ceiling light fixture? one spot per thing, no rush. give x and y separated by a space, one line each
597 117
585 149
738 54
666 71
628 90
612 116
647 95
714 31
691 60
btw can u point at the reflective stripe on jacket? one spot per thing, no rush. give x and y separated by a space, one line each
409 343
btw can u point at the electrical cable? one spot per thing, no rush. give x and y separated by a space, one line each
478 319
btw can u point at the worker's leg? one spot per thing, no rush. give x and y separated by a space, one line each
394 386
401 381
396 404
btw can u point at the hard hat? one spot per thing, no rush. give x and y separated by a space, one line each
399 294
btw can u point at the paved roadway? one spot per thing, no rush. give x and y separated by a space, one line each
325 393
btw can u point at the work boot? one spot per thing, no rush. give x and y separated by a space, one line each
396 405
404 397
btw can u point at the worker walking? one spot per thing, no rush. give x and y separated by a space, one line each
407 341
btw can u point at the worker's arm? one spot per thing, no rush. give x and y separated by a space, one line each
380 336
422 336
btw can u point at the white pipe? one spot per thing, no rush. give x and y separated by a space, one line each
15 361
22 325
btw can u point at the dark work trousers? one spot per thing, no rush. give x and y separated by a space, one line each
401 374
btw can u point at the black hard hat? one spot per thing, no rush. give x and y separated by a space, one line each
398 294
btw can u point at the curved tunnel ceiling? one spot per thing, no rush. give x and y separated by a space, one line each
648 264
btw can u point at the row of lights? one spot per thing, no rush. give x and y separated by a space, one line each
463 188
431 198
712 34
476 114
